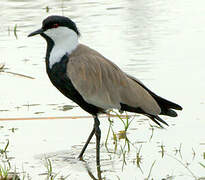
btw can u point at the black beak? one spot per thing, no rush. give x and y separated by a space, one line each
39 31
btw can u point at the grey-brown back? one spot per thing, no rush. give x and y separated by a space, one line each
103 84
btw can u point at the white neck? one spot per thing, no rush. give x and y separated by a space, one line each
65 41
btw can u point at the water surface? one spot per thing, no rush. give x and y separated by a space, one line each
160 42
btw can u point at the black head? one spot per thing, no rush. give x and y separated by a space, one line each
55 22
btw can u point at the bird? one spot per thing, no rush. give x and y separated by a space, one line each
94 82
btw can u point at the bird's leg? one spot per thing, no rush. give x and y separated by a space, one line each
86 144
96 130
98 136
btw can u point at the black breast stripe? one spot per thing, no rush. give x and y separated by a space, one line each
62 82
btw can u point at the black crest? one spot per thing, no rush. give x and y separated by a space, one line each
50 21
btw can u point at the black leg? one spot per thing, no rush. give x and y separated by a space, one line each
98 136
96 130
86 144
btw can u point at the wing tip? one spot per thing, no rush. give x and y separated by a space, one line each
157 120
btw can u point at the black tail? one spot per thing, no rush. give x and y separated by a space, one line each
165 105
154 118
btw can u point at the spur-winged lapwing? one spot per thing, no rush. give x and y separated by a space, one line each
92 81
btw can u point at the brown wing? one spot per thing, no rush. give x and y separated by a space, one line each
103 84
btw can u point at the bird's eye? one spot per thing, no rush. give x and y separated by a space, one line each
55 25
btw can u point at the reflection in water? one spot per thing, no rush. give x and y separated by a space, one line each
99 173
111 153
72 168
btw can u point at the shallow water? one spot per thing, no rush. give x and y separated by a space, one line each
160 42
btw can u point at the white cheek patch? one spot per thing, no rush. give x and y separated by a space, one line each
65 41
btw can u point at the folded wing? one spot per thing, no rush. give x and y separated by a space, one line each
103 84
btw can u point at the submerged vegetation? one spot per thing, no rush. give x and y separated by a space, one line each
15 31
6 171
3 69
118 148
